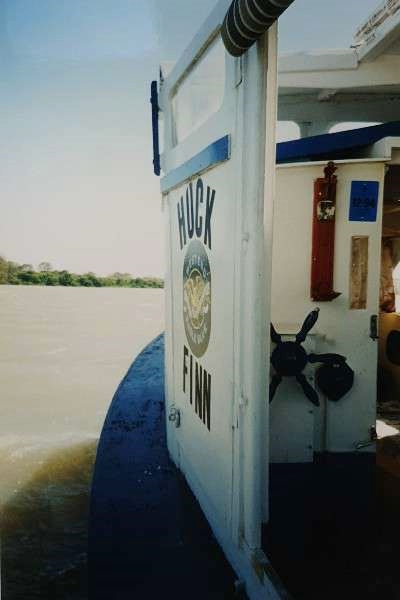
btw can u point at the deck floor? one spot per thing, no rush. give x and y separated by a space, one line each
335 525
148 538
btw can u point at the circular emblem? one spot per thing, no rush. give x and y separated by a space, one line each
197 298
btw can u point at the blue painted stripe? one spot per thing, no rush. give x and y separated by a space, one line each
215 153
334 145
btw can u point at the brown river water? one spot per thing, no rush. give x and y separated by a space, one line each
63 352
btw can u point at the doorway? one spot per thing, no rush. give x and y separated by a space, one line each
388 390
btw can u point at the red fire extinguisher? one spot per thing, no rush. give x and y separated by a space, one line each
323 237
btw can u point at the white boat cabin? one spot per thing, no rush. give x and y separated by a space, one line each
361 322
257 234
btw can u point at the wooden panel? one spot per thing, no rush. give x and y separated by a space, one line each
359 272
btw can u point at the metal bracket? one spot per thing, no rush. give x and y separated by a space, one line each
373 436
175 416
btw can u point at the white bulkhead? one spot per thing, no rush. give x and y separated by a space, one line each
334 426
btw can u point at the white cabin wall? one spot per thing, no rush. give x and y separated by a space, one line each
339 329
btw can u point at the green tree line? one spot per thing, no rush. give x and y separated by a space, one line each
12 273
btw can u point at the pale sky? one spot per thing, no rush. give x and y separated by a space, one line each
76 181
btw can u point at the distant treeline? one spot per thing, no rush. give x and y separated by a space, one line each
12 273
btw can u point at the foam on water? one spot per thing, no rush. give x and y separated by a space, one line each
44 518
22 457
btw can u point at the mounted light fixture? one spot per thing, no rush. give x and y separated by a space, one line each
247 20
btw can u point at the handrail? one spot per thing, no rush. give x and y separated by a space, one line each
154 122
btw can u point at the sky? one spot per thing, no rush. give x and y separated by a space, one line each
76 181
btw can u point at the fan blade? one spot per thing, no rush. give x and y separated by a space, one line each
308 324
327 359
275 337
307 389
275 381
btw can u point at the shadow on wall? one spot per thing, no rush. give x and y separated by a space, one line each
44 529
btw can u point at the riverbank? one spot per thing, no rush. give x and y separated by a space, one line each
12 273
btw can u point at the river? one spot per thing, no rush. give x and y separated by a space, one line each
63 352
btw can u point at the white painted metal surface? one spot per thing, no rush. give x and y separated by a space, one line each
217 300
380 30
292 416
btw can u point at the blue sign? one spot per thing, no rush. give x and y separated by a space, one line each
363 200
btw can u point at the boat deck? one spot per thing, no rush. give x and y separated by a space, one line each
334 525
148 537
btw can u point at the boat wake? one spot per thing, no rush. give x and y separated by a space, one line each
44 513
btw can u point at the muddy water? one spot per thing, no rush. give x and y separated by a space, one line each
63 352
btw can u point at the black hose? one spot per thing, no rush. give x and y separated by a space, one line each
247 20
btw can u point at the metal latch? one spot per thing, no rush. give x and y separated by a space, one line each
373 327
175 416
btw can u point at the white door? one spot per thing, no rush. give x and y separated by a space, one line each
214 109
